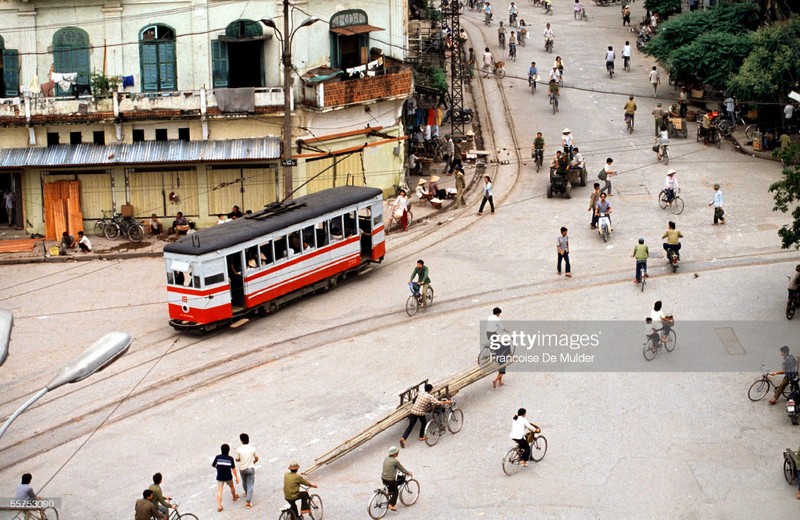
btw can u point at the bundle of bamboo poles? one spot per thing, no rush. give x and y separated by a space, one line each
450 386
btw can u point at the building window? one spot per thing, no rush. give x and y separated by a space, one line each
71 55
75 138
183 134
52 138
9 71
350 38
238 56
157 58
161 134
99 137
138 135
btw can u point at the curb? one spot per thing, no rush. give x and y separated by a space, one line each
81 258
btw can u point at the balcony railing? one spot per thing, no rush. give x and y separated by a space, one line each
340 90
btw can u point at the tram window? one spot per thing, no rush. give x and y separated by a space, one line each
215 279
252 257
365 219
196 281
309 237
281 248
322 234
180 273
350 224
266 253
335 225
295 246
377 219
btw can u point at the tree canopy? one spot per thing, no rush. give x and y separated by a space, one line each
664 8
787 192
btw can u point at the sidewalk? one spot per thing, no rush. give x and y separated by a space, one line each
745 146
102 249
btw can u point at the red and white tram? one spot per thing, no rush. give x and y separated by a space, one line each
256 263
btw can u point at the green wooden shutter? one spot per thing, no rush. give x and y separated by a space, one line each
80 63
11 71
167 74
148 58
219 64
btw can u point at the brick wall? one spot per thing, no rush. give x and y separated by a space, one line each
368 88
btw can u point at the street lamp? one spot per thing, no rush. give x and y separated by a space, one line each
98 356
6 324
286 53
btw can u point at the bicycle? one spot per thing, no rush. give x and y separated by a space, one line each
548 45
408 490
715 136
532 83
175 515
629 122
289 511
554 102
610 69
512 52
397 220
676 205
663 153
626 63
726 126
127 226
438 425
414 301
789 466
499 69
792 304
763 385
100 225
666 341
538 157
502 38
487 353
513 456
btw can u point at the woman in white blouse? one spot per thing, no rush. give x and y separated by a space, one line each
519 434
400 209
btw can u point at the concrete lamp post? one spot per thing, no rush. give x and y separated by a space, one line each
286 38
98 356
6 324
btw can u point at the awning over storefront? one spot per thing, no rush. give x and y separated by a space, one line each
145 152
351 30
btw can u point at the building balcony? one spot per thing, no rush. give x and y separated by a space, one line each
326 88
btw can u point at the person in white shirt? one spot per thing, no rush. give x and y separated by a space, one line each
494 327
247 457
655 79
671 187
400 209
730 108
488 62
610 57
519 430
661 322
84 243
626 55
663 140
221 219
548 34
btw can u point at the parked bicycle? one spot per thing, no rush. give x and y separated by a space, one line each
665 339
726 126
445 418
414 301
513 456
126 226
408 490
764 385
315 503
100 225
676 205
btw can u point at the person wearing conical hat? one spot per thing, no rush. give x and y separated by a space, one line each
567 142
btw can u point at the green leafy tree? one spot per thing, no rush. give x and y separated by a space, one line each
787 193
715 55
773 65
664 8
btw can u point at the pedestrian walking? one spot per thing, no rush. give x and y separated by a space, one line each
488 61
471 63
562 245
658 116
456 162
226 472
494 327
605 175
8 203
640 253
247 457
717 203
449 151
487 195
655 80
683 99
593 198
460 186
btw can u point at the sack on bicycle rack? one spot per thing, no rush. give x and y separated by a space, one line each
655 148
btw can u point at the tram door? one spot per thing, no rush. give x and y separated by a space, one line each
365 228
234 262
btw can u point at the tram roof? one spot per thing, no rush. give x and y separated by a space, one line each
269 220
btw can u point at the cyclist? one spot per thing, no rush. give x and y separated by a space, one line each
519 434
501 35
640 253
555 75
558 64
391 468
662 141
512 45
533 74
626 55
671 187
576 9
549 35
567 143
523 32
512 14
537 149
673 237
291 489
630 111
421 272
610 57
487 13
794 284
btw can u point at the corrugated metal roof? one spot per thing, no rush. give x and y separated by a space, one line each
145 152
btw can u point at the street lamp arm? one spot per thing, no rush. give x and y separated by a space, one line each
6 324
269 22
98 356
38 395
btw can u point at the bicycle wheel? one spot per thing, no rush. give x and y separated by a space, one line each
501 73
665 156
409 218
644 281
136 233
485 355
718 140
111 230
99 228
429 295
287 515
662 199
409 492
411 305
677 205
538 448
789 471
786 391
789 310
433 430
378 505
455 420
758 390
672 340
750 131
186 516
724 128
649 351
511 461
316 507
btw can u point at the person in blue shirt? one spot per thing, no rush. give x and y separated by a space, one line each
533 72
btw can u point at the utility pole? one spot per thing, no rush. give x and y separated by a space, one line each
287 161
457 72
